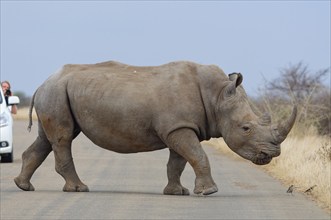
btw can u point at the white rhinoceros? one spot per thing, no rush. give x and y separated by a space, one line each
131 109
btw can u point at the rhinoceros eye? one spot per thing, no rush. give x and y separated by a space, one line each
246 128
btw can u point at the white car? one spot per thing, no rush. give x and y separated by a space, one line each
6 128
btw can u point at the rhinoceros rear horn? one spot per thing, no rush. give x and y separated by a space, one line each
265 119
285 127
236 79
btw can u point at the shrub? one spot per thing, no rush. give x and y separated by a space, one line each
298 85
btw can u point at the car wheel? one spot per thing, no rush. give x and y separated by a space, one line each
7 158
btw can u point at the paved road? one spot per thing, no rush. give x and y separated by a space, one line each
130 187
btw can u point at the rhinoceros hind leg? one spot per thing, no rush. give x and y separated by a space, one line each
24 185
64 165
175 167
32 158
61 129
176 190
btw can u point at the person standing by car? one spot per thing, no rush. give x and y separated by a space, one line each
6 125
5 85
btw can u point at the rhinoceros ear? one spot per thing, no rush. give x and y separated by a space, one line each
237 77
230 89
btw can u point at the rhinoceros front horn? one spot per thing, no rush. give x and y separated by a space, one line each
285 127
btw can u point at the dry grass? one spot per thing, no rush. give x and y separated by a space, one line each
23 114
304 162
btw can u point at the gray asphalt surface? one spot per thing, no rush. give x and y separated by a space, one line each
130 187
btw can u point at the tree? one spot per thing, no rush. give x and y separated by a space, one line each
24 99
299 81
308 90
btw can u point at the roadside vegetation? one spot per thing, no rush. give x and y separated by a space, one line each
305 160
306 154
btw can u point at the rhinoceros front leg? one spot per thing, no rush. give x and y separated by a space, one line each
175 167
186 143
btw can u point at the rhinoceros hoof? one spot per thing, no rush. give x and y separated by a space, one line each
75 188
176 190
206 190
24 185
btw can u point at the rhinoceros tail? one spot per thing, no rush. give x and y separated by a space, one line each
30 111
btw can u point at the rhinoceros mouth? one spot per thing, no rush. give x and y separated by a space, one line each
262 158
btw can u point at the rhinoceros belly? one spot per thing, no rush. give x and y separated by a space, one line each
123 133
124 143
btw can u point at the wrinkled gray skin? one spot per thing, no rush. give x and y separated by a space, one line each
129 109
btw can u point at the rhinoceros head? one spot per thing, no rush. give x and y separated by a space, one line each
252 137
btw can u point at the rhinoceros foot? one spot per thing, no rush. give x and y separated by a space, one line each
205 188
24 185
207 191
175 190
75 188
